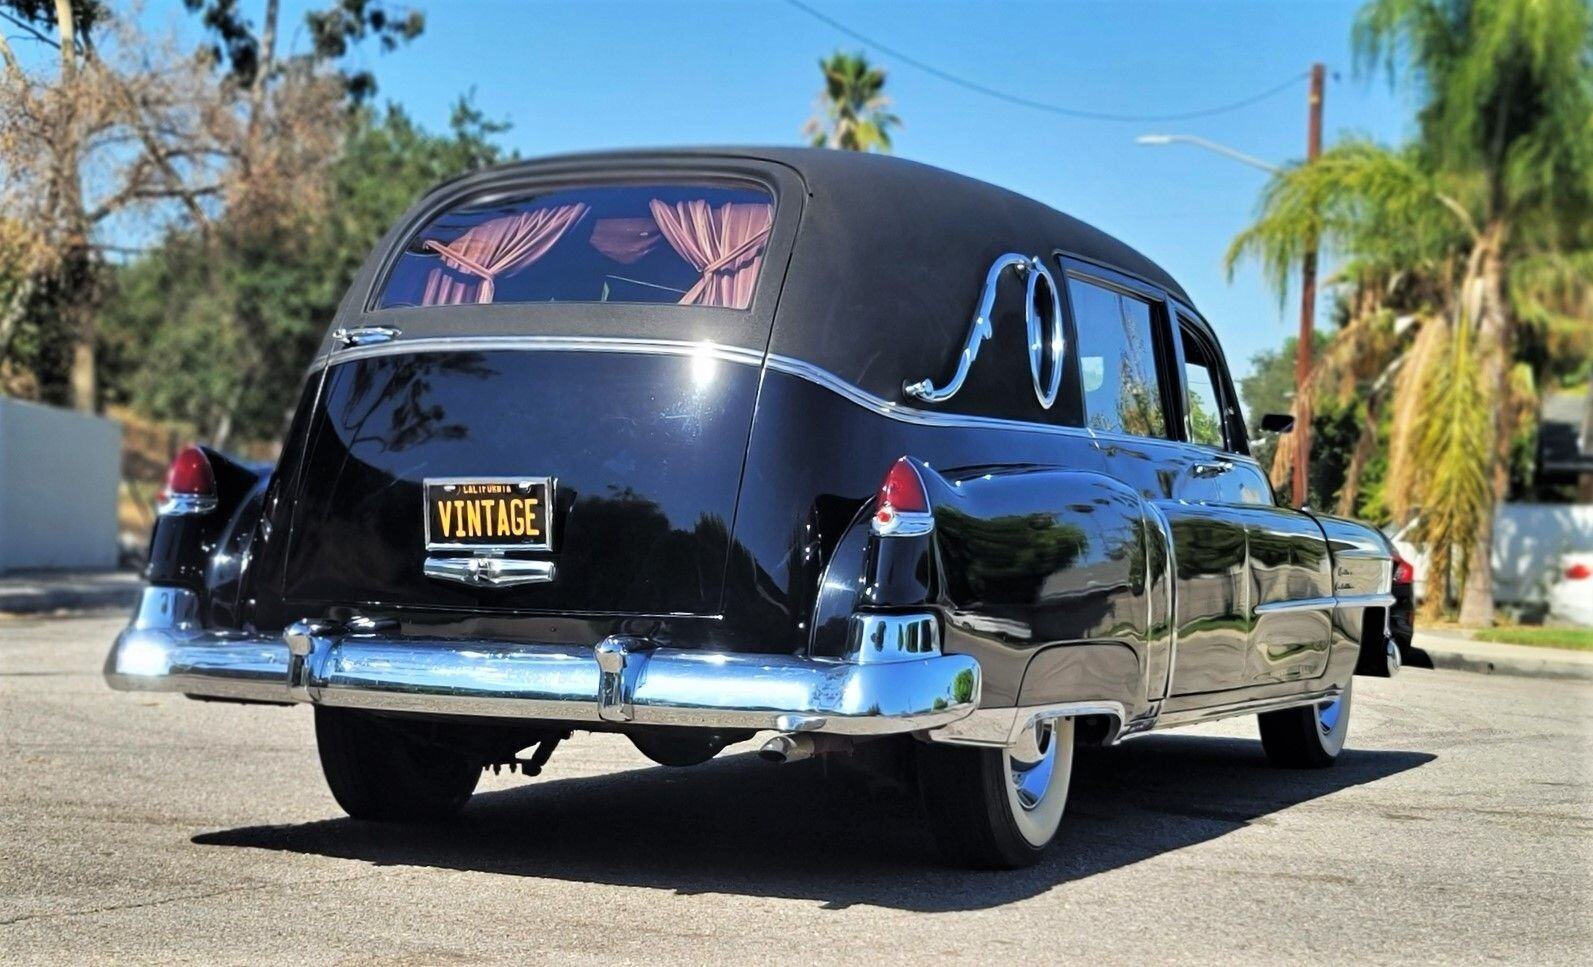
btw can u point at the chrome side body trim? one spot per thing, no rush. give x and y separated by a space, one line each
1194 716
1172 597
911 523
1004 728
1364 600
186 505
980 328
1297 604
602 344
907 686
787 365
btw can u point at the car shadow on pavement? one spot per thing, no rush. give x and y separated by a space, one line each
740 825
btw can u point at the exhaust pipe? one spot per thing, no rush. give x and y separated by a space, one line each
787 747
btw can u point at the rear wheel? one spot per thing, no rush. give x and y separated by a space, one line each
1307 737
998 808
386 774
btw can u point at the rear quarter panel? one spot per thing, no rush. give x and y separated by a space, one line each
1041 565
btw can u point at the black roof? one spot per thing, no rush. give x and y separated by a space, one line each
853 187
885 272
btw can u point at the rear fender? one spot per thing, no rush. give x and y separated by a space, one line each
1363 575
1025 563
182 547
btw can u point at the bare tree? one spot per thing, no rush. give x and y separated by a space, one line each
89 133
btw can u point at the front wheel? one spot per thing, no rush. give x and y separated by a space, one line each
386 774
998 808
1309 736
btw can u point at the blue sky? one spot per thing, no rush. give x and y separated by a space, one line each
582 75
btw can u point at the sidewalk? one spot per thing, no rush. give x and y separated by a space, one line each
33 592
1456 650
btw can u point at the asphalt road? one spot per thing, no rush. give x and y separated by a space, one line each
1459 828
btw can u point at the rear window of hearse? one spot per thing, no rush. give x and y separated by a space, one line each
697 245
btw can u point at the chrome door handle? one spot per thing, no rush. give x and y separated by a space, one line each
1214 469
492 572
366 335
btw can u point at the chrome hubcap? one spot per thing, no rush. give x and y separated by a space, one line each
1032 778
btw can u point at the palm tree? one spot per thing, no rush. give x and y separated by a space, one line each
851 113
1485 220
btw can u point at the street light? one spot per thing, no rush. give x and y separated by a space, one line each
1302 353
1222 149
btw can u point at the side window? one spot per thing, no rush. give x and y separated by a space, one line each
1205 399
1117 361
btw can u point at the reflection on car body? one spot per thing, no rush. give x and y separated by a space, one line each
838 447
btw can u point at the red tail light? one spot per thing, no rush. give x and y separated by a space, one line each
902 506
1578 572
190 474
1403 572
190 484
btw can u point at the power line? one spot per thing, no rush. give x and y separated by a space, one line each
1021 101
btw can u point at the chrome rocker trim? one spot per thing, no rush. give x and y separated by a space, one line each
896 679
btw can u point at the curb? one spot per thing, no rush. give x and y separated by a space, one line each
1520 666
34 601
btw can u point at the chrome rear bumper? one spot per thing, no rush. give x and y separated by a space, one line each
896 679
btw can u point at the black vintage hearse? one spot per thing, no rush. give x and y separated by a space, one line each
692 445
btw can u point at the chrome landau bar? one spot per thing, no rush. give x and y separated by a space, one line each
895 678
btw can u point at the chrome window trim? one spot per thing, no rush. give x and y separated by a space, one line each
481 189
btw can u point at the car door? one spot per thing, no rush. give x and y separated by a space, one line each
1126 364
1289 582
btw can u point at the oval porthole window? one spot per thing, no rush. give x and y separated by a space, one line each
1043 315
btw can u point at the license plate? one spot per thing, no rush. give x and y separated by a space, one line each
488 513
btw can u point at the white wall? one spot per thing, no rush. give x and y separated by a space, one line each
59 472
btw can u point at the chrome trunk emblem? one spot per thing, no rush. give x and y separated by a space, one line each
489 570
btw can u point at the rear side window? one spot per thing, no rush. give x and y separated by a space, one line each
1205 400
1117 361
699 245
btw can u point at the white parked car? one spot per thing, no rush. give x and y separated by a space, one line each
1571 597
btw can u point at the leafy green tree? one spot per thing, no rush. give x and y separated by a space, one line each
249 56
1490 209
1269 386
852 112
219 334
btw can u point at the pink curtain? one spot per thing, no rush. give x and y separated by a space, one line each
626 240
724 244
493 248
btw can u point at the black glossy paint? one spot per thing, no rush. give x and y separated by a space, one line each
645 454
717 503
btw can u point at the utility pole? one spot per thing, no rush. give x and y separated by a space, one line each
1307 343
